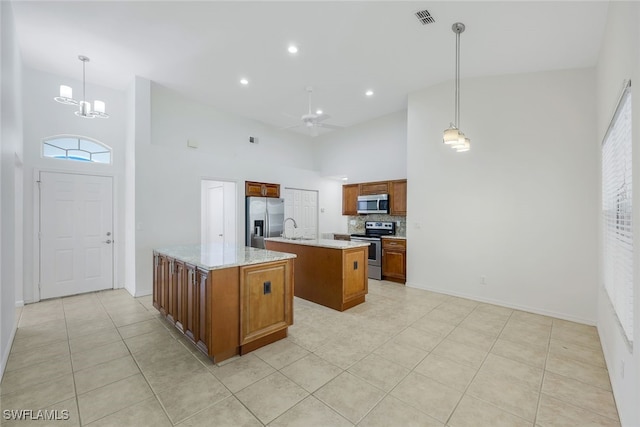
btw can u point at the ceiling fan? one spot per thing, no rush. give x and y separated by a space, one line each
312 121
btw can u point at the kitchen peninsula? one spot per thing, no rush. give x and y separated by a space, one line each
332 273
227 300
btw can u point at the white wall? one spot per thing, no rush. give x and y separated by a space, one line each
168 173
47 118
11 153
382 141
619 60
519 208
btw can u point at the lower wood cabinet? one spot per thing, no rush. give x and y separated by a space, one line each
394 260
225 311
265 292
355 275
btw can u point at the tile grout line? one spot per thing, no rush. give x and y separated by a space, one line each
388 393
73 376
464 393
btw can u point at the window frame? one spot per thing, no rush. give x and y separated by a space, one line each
49 139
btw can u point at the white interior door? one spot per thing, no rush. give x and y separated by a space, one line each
215 215
76 233
301 205
218 212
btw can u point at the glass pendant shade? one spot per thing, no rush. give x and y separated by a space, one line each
98 106
84 110
451 135
465 146
66 96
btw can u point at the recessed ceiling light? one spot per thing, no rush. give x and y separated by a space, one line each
318 111
292 48
244 82
369 92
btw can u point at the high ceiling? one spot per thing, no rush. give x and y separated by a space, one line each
203 48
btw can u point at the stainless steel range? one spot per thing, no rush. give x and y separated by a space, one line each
374 230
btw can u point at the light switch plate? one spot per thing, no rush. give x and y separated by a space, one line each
192 143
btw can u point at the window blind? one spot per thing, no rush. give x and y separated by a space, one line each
617 211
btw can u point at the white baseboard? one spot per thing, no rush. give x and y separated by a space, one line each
5 356
19 304
535 310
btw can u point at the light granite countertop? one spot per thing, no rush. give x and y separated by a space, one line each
323 243
216 256
395 237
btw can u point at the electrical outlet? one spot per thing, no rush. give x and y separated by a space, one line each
483 280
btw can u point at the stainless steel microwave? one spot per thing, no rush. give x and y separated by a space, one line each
374 203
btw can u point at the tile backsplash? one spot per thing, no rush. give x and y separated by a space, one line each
356 223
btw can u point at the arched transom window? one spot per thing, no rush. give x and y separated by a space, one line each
76 148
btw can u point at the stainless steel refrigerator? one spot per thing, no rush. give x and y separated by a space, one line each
264 218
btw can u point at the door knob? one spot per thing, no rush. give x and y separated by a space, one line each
108 241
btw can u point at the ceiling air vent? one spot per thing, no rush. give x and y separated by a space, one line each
425 17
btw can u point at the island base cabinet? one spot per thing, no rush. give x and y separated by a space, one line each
265 309
225 312
355 278
335 278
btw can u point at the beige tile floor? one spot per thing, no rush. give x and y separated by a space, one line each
405 357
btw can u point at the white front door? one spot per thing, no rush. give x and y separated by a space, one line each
76 234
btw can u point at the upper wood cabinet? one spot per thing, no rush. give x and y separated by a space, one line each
397 191
374 188
261 189
350 199
398 195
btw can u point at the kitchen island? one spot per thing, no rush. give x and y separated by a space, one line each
227 300
332 273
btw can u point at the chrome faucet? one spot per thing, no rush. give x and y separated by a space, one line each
284 223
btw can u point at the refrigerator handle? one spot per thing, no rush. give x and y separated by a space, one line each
266 218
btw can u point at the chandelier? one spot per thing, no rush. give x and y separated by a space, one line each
84 107
453 136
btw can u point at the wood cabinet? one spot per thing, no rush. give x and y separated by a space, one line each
261 189
355 275
350 199
334 277
223 311
398 196
374 188
394 260
396 189
265 293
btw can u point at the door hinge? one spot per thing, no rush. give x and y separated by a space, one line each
39 235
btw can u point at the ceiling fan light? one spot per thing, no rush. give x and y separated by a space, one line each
451 135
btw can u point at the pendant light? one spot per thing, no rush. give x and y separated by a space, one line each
84 107
453 136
